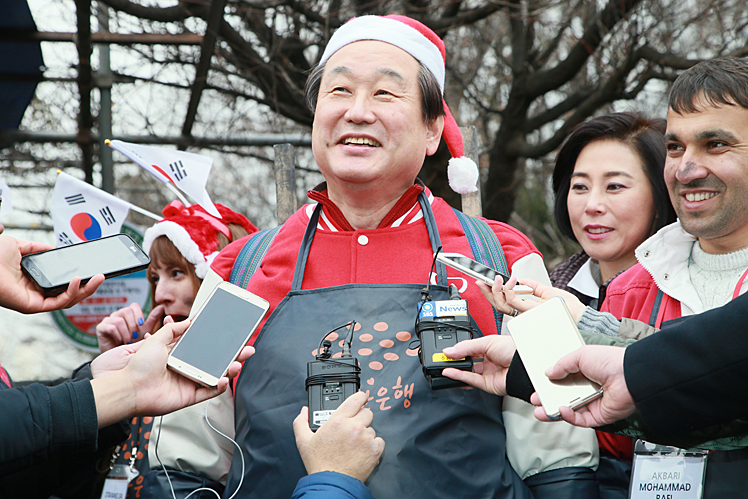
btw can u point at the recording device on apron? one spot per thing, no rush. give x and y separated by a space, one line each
331 380
441 324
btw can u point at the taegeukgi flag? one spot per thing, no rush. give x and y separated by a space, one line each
81 212
187 171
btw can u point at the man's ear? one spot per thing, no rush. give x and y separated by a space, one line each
434 135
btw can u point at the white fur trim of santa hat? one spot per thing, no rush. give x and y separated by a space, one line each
393 32
462 175
182 241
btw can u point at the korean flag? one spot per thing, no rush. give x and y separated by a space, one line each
81 212
187 171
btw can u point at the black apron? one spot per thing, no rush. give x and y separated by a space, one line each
439 444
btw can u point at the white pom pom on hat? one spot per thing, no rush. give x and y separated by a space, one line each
426 47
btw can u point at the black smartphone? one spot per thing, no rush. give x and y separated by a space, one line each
218 332
471 267
52 270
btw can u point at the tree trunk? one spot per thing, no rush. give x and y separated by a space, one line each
500 189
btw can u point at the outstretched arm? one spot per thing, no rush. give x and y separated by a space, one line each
19 293
145 386
345 444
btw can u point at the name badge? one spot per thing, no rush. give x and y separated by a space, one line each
664 472
115 485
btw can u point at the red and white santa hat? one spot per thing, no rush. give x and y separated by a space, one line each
194 232
426 47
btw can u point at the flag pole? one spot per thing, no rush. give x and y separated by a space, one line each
177 194
146 213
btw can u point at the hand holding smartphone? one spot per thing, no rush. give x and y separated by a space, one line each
219 331
52 270
543 335
471 267
477 270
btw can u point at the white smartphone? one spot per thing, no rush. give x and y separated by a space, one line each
477 270
217 334
543 335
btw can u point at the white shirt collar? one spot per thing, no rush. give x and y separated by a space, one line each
584 282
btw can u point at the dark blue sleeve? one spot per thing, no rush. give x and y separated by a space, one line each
331 485
573 482
691 375
38 422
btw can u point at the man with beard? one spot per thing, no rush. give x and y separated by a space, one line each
700 262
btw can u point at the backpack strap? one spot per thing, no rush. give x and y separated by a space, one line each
251 255
486 249
656 309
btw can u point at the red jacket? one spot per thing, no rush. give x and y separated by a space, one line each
632 295
389 254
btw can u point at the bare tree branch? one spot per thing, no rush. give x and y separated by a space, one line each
544 81
174 13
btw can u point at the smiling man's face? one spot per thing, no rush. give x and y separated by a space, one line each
368 130
706 173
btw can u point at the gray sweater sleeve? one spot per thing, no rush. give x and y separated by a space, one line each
605 323
599 322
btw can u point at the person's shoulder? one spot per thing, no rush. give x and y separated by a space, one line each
511 236
224 260
291 230
565 271
514 243
635 277
631 294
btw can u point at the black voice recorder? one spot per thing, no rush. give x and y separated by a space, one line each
441 324
331 380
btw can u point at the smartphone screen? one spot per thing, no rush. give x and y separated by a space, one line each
471 267
113 255
219 331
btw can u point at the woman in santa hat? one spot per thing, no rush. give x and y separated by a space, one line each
181 247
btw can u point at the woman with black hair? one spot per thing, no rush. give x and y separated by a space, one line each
610 196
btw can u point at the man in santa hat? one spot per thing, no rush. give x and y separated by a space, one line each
364 251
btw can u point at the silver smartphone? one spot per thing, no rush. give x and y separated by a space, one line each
543 335
52 270
470 267
217 334
477 270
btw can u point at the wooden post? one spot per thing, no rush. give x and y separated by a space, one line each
285 181
471 203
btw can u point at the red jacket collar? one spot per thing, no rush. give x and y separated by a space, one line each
403 205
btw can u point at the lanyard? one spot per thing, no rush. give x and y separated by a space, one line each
736 293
